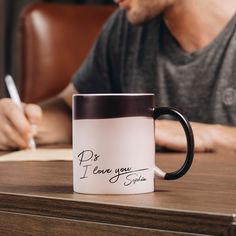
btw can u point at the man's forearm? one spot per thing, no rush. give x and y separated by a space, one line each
56 124
224 137
208 137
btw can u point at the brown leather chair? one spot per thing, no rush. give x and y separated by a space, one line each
55 39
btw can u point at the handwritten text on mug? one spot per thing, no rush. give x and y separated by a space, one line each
87 160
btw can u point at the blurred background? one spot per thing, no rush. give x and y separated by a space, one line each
9 16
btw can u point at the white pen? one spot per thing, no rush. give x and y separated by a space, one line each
11 87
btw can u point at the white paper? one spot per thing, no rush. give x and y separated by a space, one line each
62 154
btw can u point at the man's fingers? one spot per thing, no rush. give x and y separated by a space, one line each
178 144
9 137
170 134
17 118
16 128
33 113
15 140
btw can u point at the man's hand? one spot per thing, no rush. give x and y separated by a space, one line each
207 137
17 127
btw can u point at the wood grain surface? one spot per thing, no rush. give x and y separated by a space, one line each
201 203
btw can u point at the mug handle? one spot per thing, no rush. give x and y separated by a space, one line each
190 143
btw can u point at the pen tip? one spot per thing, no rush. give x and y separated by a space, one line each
32 144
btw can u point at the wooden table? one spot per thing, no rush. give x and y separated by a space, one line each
36 198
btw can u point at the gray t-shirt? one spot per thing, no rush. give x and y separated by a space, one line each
133 59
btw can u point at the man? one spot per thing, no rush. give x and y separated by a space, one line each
182 50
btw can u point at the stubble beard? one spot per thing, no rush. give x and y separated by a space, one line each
140 18
139 15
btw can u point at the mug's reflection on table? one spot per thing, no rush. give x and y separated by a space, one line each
36 198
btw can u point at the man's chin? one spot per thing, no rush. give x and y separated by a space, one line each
136 19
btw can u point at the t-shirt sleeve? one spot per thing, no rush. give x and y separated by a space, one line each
97 73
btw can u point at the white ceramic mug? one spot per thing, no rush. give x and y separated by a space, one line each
114 143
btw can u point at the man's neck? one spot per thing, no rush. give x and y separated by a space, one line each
195 24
